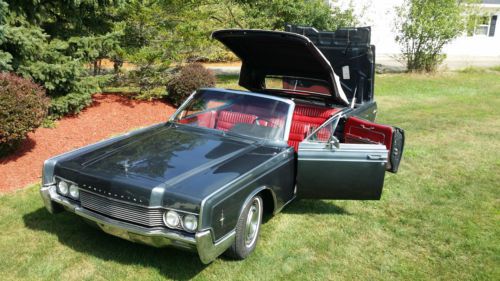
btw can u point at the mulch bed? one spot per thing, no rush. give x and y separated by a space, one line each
107 116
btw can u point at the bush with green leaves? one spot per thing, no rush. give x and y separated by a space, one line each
23 106
188 79
424 27
50 56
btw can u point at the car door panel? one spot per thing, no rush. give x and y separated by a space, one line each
349 171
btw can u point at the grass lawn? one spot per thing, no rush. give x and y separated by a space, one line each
438 218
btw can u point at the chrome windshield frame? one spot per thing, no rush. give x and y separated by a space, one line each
288 122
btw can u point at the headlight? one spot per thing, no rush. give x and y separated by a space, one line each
171 219
190 223
63 187
73 191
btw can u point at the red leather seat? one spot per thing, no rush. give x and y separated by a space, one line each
298 132
207 119
313 116
227 119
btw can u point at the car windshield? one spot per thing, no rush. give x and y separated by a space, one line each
236 112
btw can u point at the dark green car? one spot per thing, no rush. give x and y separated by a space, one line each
203 179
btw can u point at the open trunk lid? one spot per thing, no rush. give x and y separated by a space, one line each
265 53
351 55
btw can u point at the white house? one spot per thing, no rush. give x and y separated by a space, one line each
480 46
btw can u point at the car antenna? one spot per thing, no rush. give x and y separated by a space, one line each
353 101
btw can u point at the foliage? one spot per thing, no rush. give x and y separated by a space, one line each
424 28
74 101
188 79
180 30
32 46
23 106
48 64
275 14
64 19
149 78
94 49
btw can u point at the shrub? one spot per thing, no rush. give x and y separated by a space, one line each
23 106
69 104
423 28
73 102
188 79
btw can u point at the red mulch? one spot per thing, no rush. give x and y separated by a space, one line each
108 115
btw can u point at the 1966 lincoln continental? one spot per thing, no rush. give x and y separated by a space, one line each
203 179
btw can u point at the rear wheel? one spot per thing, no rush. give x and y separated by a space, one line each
247 229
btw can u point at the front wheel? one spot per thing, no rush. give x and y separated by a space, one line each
247 229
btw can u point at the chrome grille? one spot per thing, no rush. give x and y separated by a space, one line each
122 211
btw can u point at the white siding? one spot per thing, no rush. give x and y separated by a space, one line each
380 15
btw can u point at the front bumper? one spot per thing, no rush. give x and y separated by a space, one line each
202 242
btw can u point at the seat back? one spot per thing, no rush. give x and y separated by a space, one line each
227 119
313 117
298 133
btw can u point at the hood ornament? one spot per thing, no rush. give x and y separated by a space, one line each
125 165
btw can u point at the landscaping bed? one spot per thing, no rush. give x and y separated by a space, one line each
107 116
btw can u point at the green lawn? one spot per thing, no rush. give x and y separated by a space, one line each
438 218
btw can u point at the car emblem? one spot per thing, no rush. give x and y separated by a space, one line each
125 165
222 218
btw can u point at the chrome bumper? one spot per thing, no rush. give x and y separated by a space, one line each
202 241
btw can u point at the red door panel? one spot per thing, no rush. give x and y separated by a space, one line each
357 130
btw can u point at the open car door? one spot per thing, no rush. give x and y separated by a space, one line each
352 168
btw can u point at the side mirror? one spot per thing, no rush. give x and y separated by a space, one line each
333 142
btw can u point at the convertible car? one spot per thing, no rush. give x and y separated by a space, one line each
204 179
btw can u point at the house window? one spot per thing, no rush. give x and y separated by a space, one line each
482 26
493 24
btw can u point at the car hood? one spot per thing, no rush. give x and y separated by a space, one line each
265 53
169 166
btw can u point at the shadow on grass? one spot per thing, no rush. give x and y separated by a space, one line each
304 206
81 237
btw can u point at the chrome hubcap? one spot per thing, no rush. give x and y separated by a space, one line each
252 222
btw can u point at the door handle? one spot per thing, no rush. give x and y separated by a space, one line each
367 127
374 157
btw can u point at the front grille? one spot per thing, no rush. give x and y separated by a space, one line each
122 211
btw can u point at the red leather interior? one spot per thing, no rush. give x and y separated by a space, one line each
313 116
227 119
207 119
298 132
357 130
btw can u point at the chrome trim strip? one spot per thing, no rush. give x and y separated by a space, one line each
135 204
382 160
181 108
339 114
288 126
209 251
348 147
